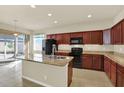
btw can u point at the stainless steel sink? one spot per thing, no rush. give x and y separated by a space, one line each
60 57
57 57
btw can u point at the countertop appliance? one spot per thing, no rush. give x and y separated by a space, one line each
49 44
77 54
76 40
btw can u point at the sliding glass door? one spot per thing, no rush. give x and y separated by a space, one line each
6 46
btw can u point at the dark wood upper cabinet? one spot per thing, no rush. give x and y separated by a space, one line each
86 38
66 38
107 37
59 38
76 34
122 28
112 35
116 34
63 38
51 36
97 37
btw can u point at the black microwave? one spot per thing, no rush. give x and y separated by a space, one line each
76 40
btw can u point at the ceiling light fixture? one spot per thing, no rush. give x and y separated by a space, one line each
55 22
89 16
49 14
32 6
15 34
15 21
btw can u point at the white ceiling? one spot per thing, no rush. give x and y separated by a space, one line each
37 19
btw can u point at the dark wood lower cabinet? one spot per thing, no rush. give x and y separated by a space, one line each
120 76
97 62
107 65
110 68
70 73
87 61
92 61
113 71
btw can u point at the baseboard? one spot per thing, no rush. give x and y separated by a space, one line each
37 82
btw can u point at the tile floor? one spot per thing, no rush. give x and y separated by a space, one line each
89 78
10 76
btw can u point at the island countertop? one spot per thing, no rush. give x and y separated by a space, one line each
47 59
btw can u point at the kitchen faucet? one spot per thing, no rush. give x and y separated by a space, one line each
53 49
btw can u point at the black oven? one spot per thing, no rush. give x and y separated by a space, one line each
76 40
77 57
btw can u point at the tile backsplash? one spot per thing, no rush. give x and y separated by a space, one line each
119 49
88 47
110 48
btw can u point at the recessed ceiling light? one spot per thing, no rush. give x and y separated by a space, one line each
15 34
32 6
49 14
89 16
55 22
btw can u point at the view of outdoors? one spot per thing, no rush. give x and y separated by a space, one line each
38 43
7 46
21 40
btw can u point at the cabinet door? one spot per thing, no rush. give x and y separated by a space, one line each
97 62
70 73
51 36
86 37
59 38
87 61
122 32
106 37
113 74
76 34
120 76
118 33
112 35
120 79
66 38
107 65
97 37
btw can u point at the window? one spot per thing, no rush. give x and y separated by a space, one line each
6 46
38 43
21 41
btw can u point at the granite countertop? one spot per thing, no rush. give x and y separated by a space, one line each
47 59
118 58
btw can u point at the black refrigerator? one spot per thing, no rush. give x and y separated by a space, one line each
49 45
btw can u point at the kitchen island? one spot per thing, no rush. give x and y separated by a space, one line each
47 70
